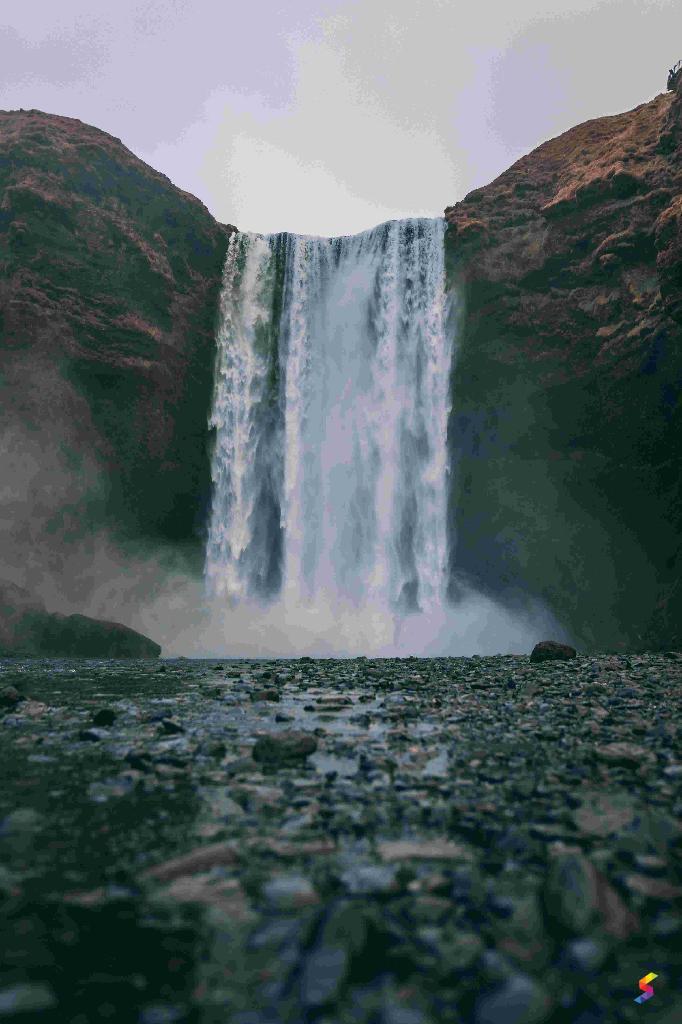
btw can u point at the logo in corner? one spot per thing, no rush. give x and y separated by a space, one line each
647 989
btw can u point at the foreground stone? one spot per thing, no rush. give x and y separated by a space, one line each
10 697
550 650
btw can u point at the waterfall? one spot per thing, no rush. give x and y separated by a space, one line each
330 414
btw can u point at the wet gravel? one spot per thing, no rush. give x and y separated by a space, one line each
405 841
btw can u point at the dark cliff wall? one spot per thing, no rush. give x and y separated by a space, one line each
109 283
567 430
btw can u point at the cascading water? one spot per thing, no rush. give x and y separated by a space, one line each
330 415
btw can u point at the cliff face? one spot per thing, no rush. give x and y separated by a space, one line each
567 429
109 284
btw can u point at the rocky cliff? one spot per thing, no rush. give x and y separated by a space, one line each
109 283
567 431
565 434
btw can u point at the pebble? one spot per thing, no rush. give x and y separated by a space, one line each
550 650
92 735
570 894
284 747
10 697
286 891
520 1000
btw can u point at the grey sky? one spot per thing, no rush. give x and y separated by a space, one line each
330 116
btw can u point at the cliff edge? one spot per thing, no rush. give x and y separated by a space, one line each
570 429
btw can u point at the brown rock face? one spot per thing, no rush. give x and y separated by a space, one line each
566 430
549 650
109 281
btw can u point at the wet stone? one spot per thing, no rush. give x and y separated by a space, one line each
550 650
18 1000
570 894
520 1000
10 697
104 717
269 694
92 735
284 748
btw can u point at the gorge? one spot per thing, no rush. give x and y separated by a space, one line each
559 470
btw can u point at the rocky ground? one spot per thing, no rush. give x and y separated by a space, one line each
482 840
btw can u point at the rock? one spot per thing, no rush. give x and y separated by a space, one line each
584 955
223 894
77 197
650 864
324 971
576 895
140 760
78 636
520 1000
547 268
22 821
570 894
32 997
549 650
33 708
369 879
629 755
284 747
27 629
603 813
653 888
289 891
429 849
10 697
171 727
92 735
104 717
197 861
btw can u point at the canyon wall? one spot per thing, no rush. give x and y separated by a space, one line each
109 284
567 427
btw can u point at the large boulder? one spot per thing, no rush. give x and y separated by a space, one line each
27 629
550 650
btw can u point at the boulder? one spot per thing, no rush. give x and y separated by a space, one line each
27 629
550 650
10 697
284 748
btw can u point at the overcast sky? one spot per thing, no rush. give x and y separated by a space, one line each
328 116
